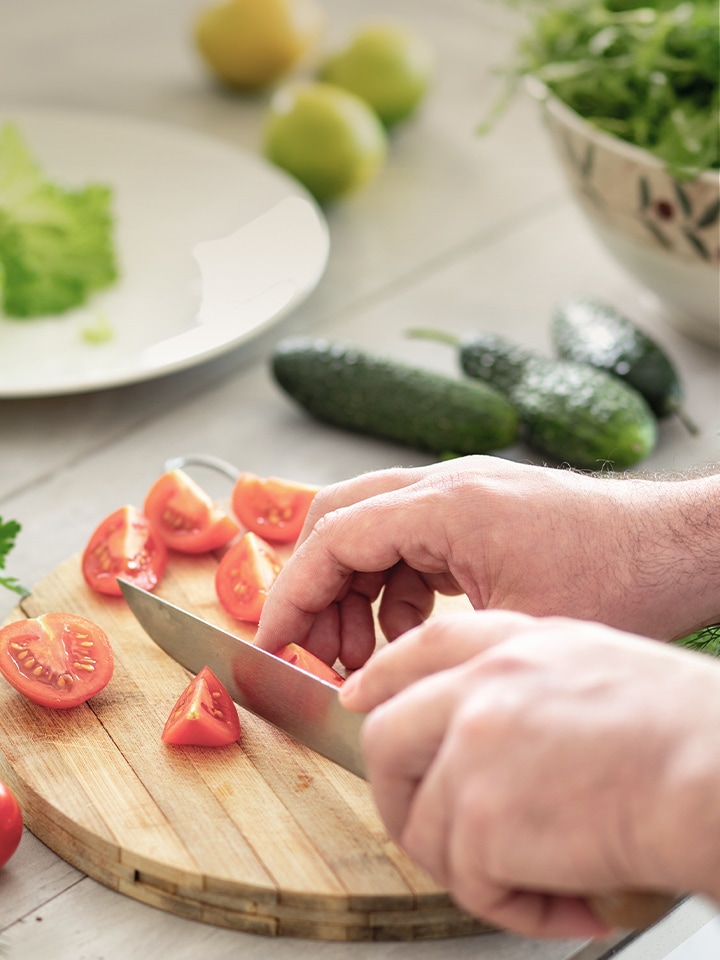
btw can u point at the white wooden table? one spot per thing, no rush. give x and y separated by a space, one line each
459 231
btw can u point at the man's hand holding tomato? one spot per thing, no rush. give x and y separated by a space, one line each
511 756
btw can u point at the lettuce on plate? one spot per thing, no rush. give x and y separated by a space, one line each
56 244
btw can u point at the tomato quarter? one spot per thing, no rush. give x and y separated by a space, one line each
185 516
275 509
308 662
124 545
11 824
56 660
204 715
244 577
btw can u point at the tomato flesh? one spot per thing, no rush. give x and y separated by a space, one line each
308 662
204 715
185 516
245 575
273 508
11 824
56 660
124 545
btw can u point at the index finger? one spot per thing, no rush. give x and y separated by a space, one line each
369 536
439 644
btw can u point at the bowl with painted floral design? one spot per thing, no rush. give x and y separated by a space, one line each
663 230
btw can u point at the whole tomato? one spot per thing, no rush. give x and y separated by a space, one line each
11 824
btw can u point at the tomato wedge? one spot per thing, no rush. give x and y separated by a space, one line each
275 509
244 577
185 516
204 715
124 545
11 824
56 660
308 662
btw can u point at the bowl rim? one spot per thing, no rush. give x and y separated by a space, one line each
631 151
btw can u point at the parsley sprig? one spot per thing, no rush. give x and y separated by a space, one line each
9 530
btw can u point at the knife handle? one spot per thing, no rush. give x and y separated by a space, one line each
630 909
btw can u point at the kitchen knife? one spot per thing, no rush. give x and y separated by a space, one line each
303 706
309 710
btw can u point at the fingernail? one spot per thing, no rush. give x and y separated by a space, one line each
349 688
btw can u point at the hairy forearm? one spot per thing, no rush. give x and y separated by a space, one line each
677 555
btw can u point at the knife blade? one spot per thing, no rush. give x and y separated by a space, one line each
309 710
303 706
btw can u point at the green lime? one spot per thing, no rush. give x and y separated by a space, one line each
326 137
388 66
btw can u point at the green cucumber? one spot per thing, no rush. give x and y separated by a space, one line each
389 400
591 332
569 411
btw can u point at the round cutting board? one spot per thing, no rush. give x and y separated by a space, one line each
262 836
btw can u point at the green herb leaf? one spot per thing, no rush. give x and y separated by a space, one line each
9 530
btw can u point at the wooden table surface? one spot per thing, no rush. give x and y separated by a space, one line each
458 231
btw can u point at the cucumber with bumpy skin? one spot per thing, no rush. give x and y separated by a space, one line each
569 411
389 400
595 333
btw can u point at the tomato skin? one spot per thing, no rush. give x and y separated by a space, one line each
244 577
308 662
11 824
185 517
204 715
124 544
275 509
56 660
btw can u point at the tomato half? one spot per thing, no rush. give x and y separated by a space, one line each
11 824
275 509
185 516
56 660
124 545
244 577
308 662
204 715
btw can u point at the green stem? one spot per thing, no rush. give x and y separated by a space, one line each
423 333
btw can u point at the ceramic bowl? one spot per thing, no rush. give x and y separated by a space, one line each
664 232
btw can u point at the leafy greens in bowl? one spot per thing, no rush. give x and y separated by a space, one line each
646 71
629 90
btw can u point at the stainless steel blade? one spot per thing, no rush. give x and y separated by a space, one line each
303 706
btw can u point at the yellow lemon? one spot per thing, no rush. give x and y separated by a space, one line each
386 64
327 138
248 44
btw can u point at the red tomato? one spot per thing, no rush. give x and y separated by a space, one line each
274 509
244 577
11 824
308 662
185 516
124 545
57 660
204 715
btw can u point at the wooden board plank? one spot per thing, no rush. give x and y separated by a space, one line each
264 836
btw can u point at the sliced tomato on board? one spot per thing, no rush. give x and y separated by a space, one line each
11 824
56 660
185 516
204 715
308 662
124 545
244 577
275 509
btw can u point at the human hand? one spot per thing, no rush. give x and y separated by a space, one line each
526 761
510 536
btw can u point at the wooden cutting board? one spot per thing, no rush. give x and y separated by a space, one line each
262 836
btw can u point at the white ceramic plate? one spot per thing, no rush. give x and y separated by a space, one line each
213 243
